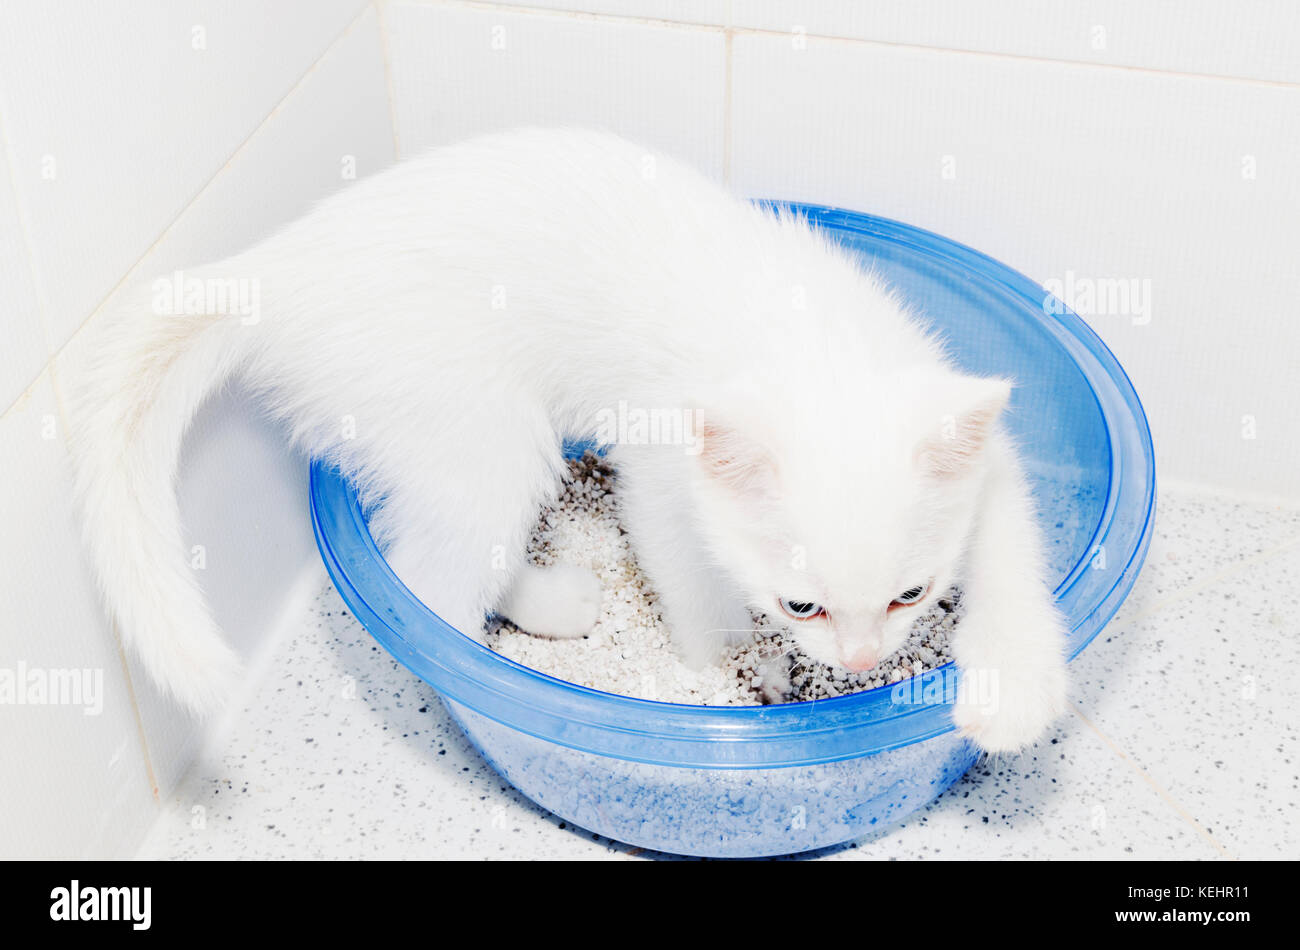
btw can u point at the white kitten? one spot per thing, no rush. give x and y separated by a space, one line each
439 329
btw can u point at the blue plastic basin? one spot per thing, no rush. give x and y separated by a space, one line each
763 780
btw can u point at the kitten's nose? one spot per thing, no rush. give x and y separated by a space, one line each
864 659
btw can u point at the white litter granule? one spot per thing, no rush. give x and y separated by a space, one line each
629 651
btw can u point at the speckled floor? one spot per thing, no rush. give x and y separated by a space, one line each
1181 741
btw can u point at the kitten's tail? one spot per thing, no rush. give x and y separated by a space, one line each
130 402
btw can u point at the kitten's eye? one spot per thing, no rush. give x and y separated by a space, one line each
800 609
910 596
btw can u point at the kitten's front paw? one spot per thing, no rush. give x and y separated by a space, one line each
560 601
703 631
775 686
1005 710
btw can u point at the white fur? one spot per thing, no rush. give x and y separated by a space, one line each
560 601
438 330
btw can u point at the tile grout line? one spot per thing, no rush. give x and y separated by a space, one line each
114 632
603 17
150 772
131 271
1155 786
1027 58
50 366
388 74
585 16
727 123
117 633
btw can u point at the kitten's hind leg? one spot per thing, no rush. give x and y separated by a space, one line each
561 601
457 534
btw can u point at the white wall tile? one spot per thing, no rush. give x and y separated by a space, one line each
712 12
72 785
1064 168
243 494
115 120
1255 39
23 349
663 86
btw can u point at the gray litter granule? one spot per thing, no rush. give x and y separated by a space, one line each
629 651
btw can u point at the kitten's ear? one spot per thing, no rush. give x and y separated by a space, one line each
734 460
973 406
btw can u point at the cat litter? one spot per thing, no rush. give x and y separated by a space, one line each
629 651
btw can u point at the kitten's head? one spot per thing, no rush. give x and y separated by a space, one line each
843 507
